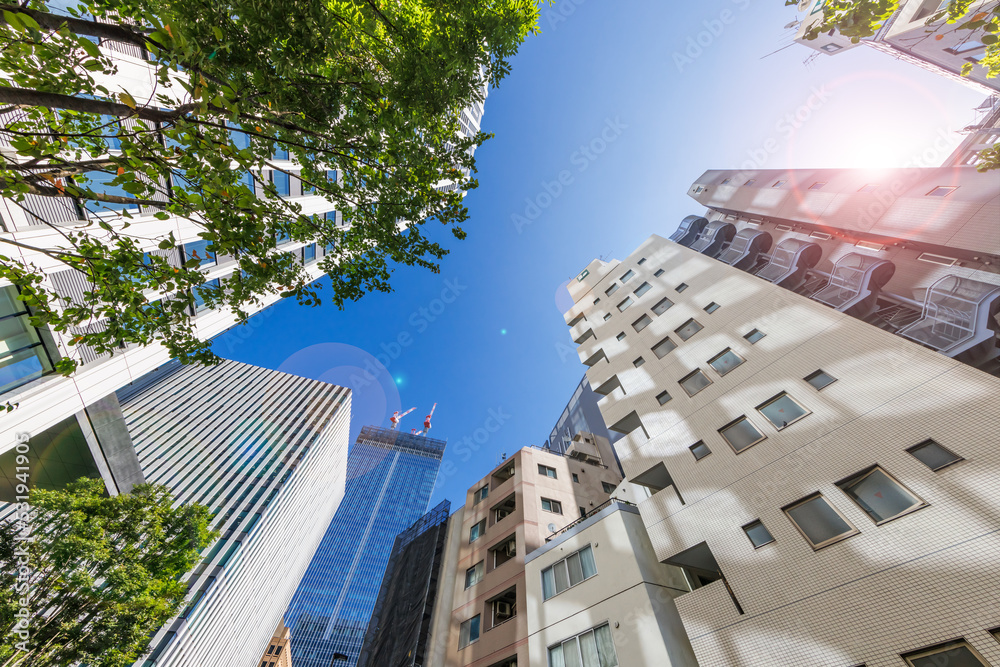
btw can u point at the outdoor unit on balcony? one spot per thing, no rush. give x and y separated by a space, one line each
504 610
510 548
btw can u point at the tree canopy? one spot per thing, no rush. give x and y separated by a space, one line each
359 99
101 575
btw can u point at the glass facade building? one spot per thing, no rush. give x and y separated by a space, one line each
390 476
581 415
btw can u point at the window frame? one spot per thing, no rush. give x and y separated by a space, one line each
638 361
565 559
946 191
689 321
576 638
750 334
479 631
937 649
481 565
479 496
605 485
661 394
543 470
666 339
552 504
691 375
830 541
736 421
658 313
778 184
482 531
621 336
762 544
611 290
658 273
818 185
642 322
641 287
816 373
680 288
627 276
775 398
728 350
864 474
701 443
627 303
932 441
711 307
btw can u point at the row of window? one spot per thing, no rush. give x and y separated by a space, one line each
939 191
955 653
880 495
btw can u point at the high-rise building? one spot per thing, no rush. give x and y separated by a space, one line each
390 477
400 628
266 453
940 47
581 415
277 654
800 373
507 515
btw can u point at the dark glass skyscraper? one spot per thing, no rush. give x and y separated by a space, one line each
390 476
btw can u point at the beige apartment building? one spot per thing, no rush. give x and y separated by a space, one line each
278 653
508 514
807 379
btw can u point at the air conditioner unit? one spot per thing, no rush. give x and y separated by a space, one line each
510 471
502 514
510 548
504 610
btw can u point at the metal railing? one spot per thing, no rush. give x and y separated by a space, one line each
577 522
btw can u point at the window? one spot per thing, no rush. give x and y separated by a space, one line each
607 316
277 651
200 293
681 287
942 191
624 304
611 290
576 478
663 397
777 184
477 531
818 185
503 606
546 471
725 181
628 275
638 362
553 506
583 512
741 434
594 648
820 379
662 305
971 45
700 450
469 632
750 182
568 572
867 187
694 382
198 250
758 534
688 329
830 48
659 272
282 182
754 336
725 361
642 289
23 357
621 336
479 495
608 487
818 521
880 495
597 301
664 347
711 308
642 323
504 509
309 253
933 455
953 654
641 261
270 649
504 551
474 574
782 410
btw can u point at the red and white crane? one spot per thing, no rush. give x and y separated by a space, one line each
394 419
427 422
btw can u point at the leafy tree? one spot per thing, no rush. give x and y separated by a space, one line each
103 573
363 96
857 19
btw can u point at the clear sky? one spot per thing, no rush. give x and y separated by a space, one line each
660 92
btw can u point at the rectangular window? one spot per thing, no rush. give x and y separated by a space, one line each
880 495
658 273
664 347
546 471
741 434
777 184
23 357
820 379
576 478
477 531
583 512
942 191
469 632
782 410
694 382
270 649
621 336
700 450
818 185
597 301
627 276
662 306
607 316
568 572
953 654
594 648
758 534
819 521
867 187
282 182
624 304
479 495
638 362
711 308
642 323
608 488
750 182
725 361
309 253
198 250
277 652
933 455
641 261
688 329
504 551
681 287
474 574
611 290
551 506
725 181
663 398
642 289
754 336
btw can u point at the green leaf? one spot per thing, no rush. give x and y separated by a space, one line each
989 39
166 244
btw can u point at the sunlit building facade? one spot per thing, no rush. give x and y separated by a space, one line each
807 377
390 477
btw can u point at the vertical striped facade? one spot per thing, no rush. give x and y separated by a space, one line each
266 452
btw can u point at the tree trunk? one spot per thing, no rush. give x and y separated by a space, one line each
112 31
36 98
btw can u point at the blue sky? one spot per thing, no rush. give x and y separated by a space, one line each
628 102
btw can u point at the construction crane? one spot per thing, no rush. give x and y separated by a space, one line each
396 417
427 422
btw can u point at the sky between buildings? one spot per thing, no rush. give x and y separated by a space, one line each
604 123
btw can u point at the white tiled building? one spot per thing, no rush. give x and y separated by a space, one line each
828 485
